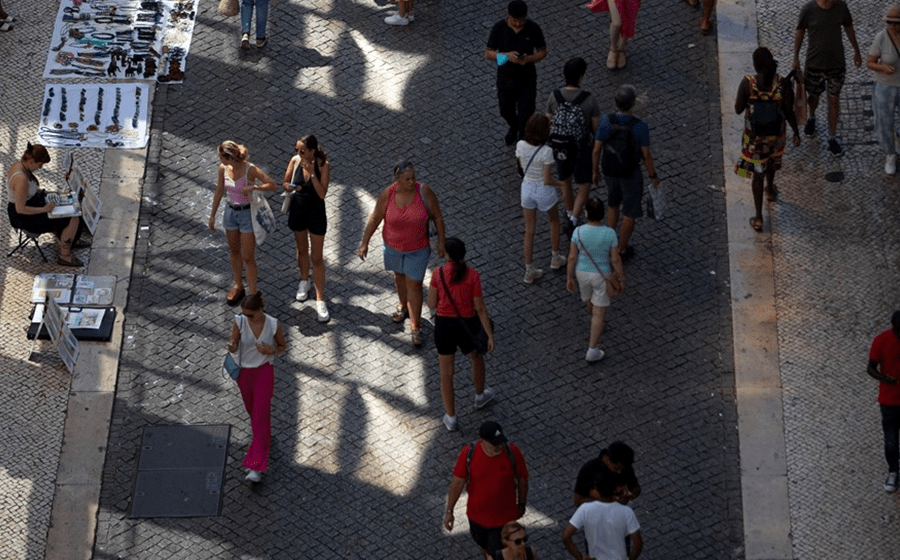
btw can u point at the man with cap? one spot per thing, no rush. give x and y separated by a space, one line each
884 365
494 474
516 43
622 141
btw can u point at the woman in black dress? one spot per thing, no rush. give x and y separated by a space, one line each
306 181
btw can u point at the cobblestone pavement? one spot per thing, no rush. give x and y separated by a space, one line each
360 462
834 245
34 391
356 414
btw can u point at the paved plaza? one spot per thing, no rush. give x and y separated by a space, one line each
360 461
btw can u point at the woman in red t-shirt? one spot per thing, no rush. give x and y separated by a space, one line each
456 325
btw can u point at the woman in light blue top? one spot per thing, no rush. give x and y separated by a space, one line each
594 255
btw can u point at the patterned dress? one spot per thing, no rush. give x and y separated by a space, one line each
758 150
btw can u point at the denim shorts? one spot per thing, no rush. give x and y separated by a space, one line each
237 220
412 263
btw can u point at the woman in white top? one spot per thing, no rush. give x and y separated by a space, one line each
256 338
28 209
884 60
538 191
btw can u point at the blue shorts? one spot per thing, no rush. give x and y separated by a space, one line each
412 263
237 220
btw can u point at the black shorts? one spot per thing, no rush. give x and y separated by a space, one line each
487 538
306 214
626 192
449 334
580 168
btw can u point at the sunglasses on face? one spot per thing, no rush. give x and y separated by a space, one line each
517 542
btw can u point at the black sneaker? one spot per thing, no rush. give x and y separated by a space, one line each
835 147
510 137
810 128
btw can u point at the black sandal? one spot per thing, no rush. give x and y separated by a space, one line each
756 223
74 262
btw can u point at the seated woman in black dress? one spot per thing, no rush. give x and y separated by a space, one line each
28 209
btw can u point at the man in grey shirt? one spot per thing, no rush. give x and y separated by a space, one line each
825 64
580 166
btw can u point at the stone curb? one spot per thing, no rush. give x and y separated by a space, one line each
764 489
73 519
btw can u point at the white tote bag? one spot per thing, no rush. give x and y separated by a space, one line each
262 216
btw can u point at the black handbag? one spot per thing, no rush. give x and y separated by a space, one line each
479 339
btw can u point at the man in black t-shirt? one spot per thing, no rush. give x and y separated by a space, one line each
516 43
826 66
614 461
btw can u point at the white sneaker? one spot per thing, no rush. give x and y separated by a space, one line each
557 261
594 354
302 290
396 19
322 311
450 422
890 164
484 398
253 476
532 273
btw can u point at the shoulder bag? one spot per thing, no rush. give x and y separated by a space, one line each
613 285
522 172
480 340
231 366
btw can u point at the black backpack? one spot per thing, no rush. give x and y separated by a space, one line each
766 116
621 154
569 131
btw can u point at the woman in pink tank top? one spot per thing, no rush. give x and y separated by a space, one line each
405 207
238 179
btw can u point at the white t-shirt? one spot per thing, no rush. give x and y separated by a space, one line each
883 48
535 172
248 356
605 527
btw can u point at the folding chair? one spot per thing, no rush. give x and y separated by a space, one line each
24 237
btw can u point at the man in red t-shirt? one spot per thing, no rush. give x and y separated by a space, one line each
884 365
495 475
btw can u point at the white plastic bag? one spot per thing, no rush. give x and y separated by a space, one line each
658 201
262 216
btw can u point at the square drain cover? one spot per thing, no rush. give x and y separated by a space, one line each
180 471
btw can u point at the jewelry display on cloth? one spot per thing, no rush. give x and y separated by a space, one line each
122 39
106 127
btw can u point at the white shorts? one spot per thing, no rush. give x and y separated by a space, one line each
536 194
593 288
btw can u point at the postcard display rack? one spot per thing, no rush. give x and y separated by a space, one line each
79 199
84 302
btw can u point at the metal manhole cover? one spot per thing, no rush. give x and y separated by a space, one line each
180 471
